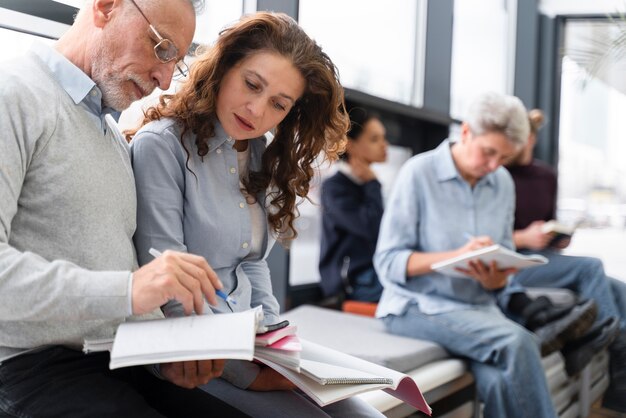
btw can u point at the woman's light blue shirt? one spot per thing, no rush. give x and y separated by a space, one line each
433 209
201 210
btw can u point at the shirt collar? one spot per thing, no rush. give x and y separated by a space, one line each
446 169
73 80
220 137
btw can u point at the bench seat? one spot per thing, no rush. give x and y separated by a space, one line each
445 381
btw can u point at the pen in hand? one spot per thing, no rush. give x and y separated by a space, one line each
156 253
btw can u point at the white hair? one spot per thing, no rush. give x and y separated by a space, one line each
494 112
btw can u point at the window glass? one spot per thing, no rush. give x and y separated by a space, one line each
216 15
371 42
16 43
482 38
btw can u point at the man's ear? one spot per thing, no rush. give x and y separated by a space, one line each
102 10
465 132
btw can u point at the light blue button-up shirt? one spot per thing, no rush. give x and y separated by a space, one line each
433 209
194 204
76 83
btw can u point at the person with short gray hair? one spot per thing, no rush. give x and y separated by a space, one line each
68 268
445 203
492 112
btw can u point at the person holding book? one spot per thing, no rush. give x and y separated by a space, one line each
352 207
447 202
536 194
68 268
212 181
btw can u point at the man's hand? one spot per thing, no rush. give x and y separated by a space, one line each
191 374
269 379
185 277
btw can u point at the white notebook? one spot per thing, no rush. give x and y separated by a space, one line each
318 362
196 337
503 257
331 374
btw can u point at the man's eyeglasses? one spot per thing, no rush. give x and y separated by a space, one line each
165 50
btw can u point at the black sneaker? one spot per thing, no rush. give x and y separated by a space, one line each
578 353
554 335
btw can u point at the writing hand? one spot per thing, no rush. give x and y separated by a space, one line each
188 278
475 243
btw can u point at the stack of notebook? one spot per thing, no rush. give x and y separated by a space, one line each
281 346
326 375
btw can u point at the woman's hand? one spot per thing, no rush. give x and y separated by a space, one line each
269 379
489 276
475 243
361 169
532 237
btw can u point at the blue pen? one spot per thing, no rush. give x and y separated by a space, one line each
156 253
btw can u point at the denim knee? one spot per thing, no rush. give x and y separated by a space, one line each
592 264
521 345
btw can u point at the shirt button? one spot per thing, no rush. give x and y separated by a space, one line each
241 205
219 151
93 92
244 245
233 170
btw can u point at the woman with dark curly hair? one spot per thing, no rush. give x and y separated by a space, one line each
212 181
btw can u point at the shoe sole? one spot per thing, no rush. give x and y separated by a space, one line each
574 330
578 358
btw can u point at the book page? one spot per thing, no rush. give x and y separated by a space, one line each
503 257
196 337
402 386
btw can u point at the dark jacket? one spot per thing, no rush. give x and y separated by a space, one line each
351 215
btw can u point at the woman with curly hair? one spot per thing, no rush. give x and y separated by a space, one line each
212 181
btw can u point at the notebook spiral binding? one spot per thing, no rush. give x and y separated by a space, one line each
357 381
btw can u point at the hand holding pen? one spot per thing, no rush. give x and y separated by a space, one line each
188 278
156 253
475 242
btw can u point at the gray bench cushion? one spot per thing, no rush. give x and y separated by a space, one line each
363 337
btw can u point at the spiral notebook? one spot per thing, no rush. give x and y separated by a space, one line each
328 376
331 374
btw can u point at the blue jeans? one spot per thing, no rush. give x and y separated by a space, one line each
366 287
584 276
503 356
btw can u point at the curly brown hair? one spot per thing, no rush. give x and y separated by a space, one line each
317 123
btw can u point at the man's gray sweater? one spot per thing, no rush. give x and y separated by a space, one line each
67 216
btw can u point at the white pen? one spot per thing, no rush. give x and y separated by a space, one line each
156 253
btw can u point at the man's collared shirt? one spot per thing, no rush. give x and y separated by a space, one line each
76 83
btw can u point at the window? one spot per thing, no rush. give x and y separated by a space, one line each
372 43
483 48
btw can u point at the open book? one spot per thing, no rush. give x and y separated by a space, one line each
196 337
558 230
504 258
328 376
